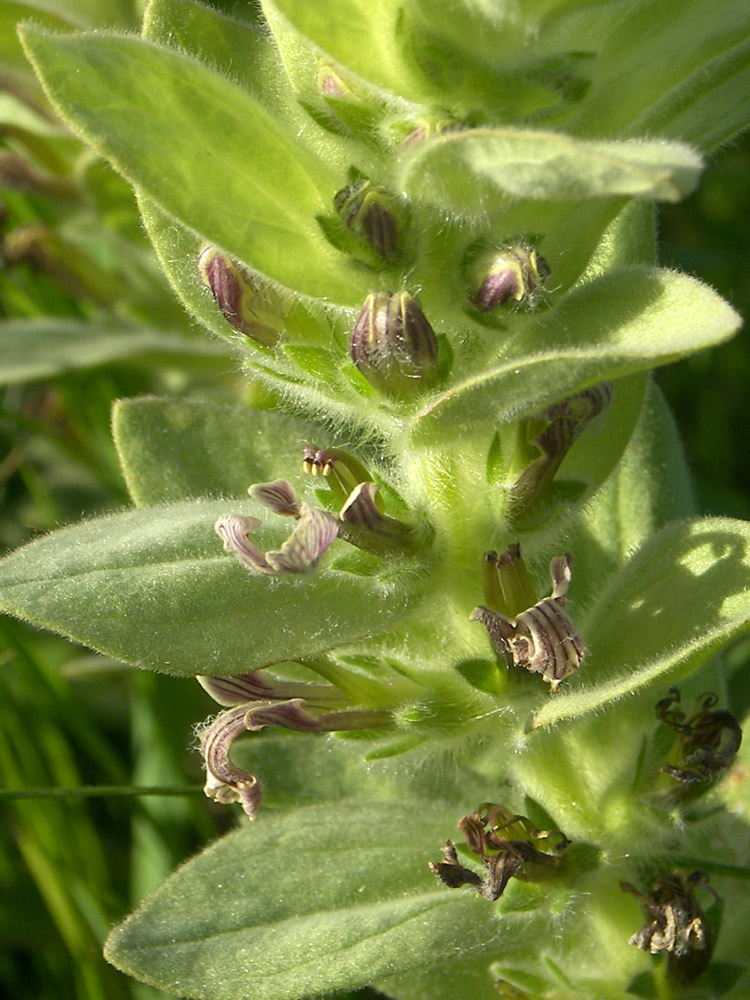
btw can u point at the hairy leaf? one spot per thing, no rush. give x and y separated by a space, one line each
472 170
305 902
618 324
199 172
174 449
154 587
374 26
686 591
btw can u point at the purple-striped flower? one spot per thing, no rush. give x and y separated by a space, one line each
542 639
315 532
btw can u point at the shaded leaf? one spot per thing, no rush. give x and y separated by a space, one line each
314 900
237 48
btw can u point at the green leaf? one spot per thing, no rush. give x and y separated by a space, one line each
196 608
313 900
42 348
479 169
457 977
236 48
363 37
689 110
682 595
624 322
174 449
669 69
182 134
649 488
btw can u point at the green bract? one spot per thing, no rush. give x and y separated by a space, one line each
427 235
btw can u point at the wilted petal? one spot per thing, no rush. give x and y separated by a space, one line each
316 531
676 924
233 529
709 738
243 689
225 782
278 496
506 844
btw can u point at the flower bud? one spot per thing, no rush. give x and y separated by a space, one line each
246 301
372 214
351 107
510 274
394 346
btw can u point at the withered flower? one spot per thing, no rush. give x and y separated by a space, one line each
676 924
258 699
708 740
507 845
552 434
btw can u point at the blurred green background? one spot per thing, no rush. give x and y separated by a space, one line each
708 235
72 250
